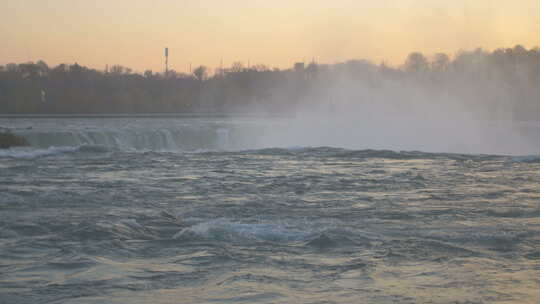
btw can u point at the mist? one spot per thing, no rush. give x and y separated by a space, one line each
414 125
479 102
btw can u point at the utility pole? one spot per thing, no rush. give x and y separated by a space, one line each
166 61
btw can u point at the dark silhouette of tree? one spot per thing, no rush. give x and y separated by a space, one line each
148 74
440 62
237 67
200 73
502 84
416 62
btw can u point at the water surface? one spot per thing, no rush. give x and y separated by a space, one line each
191 211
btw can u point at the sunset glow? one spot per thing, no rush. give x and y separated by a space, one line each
276 33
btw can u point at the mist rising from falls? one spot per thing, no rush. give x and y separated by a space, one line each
480 102
435 128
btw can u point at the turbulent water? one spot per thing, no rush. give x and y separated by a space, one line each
199 211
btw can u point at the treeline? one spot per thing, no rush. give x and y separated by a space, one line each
502 84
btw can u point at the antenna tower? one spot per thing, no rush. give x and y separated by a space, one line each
166 61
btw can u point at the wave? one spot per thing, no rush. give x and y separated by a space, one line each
318 235
231 231
334 152
526 159
30 152
33 152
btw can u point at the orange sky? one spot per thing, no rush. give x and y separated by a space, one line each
133 33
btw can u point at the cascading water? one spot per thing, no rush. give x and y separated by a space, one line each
149 135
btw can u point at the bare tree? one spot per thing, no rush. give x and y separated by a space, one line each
237 67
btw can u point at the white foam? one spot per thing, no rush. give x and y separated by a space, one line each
24 152
228 230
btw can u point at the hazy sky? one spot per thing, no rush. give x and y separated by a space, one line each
133 33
